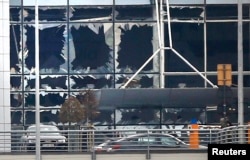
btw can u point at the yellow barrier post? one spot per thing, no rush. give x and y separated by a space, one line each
194 136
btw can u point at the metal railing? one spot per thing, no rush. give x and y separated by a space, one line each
234 134
90 140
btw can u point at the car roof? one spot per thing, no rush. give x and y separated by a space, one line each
150 134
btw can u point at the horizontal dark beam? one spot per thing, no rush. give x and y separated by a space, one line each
169 97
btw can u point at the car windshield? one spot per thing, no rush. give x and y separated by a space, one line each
44 130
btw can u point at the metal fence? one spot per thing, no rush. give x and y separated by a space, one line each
95 140
234 134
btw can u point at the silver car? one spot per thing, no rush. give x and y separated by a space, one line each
151 141
50 138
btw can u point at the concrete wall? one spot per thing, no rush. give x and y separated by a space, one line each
4 75
170 156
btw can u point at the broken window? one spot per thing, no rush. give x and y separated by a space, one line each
106 117
183 115
51 42
17 117
54 82
134 13
221 45
91 81
16 82
216 12
15 14
186 13
137 115
47 99
45 116
88 45
90 48
45 14
135 47
48 82
140 81
90 13
16 100
188 41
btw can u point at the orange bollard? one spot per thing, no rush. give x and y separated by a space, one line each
248 133
194 136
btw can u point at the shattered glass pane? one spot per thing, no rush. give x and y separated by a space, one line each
106 117
140 81
54 82
51 41
16 100
91 48
134 116
15 14
134 13
188 42
91 81
221 12
17 117
47 99
45 14
88 14
133 52
16 82
104 45
186 13
183 115
47 82
224 52
45 116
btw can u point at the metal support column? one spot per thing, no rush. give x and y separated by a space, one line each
162 45
240 72
37 68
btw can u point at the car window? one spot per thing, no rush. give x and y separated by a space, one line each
45 130
147 140
168 140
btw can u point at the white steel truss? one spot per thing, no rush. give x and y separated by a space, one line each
160 13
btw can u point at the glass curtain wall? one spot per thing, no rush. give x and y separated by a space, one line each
101 44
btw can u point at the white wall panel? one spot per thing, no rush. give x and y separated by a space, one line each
4 76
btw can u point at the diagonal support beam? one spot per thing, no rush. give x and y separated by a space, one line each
196 70
160 19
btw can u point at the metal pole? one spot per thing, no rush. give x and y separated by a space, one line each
169 25
240 72
38 151
162 45
205 41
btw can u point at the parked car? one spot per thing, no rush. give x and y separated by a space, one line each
50 138
144 141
